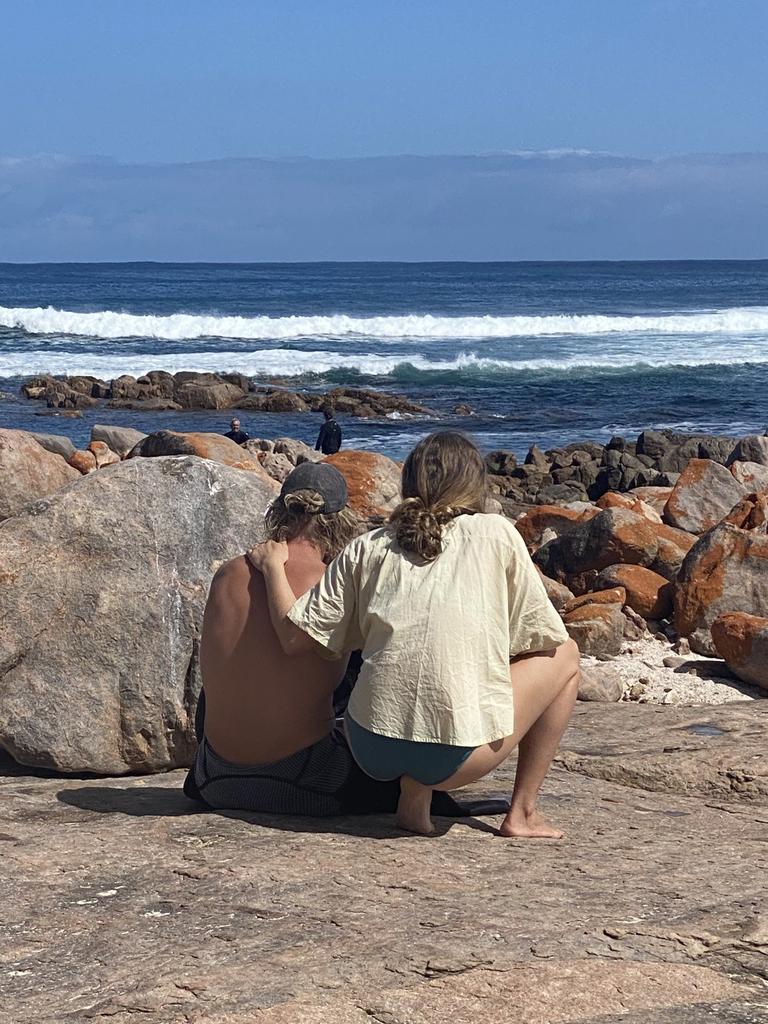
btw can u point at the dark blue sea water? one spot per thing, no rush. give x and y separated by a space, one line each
542 352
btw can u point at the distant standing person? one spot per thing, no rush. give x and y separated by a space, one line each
236 434
329 438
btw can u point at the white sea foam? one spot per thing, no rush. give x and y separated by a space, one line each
290 363
184 326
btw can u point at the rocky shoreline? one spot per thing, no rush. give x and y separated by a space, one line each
663 586
651 910
160 391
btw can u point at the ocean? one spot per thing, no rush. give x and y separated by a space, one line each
544 353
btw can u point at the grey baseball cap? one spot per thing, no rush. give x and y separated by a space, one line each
318 476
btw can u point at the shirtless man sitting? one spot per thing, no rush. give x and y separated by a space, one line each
267 733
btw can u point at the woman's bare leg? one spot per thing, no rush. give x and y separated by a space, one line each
413 807
544 690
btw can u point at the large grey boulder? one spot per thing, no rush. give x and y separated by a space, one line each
120 440
28 471
56 443
753 448
101 599
705 493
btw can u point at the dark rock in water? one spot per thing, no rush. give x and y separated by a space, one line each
144 404
56 443
617 443
28 471
462 409
67 414
102 604
196 395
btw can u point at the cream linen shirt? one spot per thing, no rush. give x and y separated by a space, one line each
436 637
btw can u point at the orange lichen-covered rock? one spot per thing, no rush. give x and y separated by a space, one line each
598 629
28 471
615 595
647 593
751 513
103 454
614 535
753 475
725 571
612 499
215 447
656 497
83 462
673 546
539 520
373 481
705 492
742 642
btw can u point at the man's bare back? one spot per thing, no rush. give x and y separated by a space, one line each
262 705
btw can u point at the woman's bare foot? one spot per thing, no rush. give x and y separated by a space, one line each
518 825
413 807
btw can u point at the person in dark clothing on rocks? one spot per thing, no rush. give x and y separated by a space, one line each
236 434
329 438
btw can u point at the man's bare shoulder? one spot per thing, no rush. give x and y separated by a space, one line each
235 571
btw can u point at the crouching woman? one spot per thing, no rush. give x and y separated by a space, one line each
464 656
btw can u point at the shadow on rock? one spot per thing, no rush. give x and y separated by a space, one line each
161 801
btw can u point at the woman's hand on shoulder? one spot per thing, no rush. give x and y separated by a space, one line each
270 554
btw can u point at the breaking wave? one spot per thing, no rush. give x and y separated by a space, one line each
184 326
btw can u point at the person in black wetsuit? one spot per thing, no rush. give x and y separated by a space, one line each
236 434
329 438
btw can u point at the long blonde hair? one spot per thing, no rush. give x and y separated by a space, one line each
298 515
443 477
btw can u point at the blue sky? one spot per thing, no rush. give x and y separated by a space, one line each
111 110
174 80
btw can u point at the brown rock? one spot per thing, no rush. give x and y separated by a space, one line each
612 499
656 497
742 642
373 481
104 586
557 593
83 461
196 395
612 595
103 454
206 446
598 629
277 466
144 404
705 492
296 451
601 684
672 547
613 536
751 513
647 593
543 518
725 571
753 475
28 471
